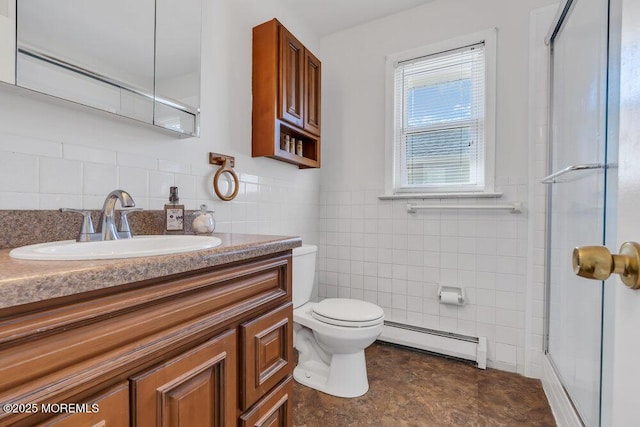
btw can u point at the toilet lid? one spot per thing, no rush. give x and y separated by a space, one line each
348 312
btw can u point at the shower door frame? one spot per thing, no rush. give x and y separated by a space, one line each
558 22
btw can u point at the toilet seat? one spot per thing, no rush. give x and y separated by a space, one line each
347 312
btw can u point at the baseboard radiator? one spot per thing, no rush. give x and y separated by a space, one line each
447 343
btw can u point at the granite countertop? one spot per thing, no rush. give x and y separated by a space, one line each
23 282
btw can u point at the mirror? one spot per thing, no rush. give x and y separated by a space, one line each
136 59
177 71
7 40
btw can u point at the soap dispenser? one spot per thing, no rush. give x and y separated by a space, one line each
173 214
204 223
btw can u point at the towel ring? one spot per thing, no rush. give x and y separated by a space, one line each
226 168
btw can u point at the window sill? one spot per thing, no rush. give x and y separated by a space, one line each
405 196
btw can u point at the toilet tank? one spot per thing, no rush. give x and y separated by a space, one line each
304 270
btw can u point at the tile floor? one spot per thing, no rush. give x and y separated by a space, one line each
410 388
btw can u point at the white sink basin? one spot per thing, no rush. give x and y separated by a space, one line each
139 246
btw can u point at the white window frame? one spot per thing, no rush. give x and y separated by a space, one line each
391 159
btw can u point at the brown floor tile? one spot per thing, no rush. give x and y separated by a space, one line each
410 388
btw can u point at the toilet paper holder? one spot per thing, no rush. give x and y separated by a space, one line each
451 295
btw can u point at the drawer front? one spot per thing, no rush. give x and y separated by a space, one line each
267 353
275 410
110 409
197 388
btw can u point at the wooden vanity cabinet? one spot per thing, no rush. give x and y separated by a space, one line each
286 88
208 348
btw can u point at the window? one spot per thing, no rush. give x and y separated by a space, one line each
442 117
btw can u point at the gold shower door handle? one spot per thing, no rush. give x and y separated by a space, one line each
596 262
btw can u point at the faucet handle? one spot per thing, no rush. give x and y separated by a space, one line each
124 230
86 229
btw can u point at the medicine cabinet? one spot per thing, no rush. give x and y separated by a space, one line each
137 59
7 41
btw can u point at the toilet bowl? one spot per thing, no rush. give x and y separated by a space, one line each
331 335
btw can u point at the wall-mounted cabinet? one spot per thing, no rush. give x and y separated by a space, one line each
139 60
286 97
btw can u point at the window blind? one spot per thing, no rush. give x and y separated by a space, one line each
439 121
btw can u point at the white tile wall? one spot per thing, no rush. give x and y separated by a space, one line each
374 250
264 204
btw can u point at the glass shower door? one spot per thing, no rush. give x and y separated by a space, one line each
577 200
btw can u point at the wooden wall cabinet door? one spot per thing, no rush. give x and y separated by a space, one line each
292 63
197 388
312 75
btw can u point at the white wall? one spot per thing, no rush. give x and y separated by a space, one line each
55 154
372 249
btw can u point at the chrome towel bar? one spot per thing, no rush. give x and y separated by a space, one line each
515 207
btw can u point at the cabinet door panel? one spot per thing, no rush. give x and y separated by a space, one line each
267 352
291 78
275 410
312 93
110 409
196 388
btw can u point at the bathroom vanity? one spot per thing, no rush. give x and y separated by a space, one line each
201 338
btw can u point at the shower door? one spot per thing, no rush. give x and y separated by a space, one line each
577 199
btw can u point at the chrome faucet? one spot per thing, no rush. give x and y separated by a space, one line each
108 230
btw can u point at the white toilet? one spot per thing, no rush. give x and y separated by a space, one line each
331 335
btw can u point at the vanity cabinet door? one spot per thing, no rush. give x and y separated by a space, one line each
291 78
267 353
197 388
275 410
110 409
